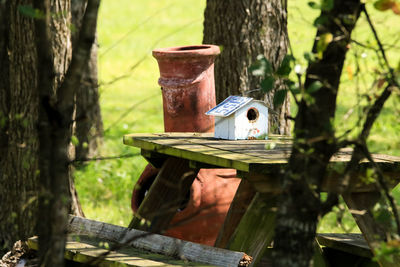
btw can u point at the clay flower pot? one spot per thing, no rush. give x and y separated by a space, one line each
187 82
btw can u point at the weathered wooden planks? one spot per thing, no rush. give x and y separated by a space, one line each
243 155
269 183
165 196
94 251
159 244
350 243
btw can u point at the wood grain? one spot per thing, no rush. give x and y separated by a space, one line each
243 155
94 251
350 243
165 196
155 243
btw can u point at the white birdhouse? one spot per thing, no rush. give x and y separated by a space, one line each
240 117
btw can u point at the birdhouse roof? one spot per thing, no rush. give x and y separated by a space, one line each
229 106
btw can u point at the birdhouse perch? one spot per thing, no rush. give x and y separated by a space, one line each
239 117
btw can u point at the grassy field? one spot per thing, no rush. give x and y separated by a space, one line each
131 98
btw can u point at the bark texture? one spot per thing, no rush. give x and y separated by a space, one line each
54 55
88 119
18 122
56 120
244 30
314 144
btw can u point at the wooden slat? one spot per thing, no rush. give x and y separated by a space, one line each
94 251
267 183
243 197
243 155
256 229
350 243
168 190
159 244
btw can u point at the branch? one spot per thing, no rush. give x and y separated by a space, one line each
134 66
130 155
329 203
381 49
374 112
129 110
357 155
79 58
384 187
133 30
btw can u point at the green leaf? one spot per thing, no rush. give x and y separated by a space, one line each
279 97
314 87
294 88
321 20
269 146
383 5
310 57
323 42
261 67
327 5
268 84
313 5
285 68
74 140
30 12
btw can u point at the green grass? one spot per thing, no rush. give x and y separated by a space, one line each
129 30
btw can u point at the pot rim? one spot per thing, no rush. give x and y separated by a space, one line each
186 51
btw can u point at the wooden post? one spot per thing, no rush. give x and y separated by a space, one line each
239 205
255 231
165 196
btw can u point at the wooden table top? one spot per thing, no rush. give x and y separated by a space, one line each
242 155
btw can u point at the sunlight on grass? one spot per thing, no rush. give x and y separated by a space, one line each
128 74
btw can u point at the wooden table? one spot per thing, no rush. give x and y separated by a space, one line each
260 163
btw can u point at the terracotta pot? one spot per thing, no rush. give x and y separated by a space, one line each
187 81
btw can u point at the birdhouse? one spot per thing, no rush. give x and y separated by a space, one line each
240 117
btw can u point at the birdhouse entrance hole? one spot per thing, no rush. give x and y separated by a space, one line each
252 114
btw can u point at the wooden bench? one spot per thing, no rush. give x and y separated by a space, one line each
346 250
101 244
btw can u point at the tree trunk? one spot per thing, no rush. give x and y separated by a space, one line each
314 144
18 119
56 120
53 42
89 125
244 30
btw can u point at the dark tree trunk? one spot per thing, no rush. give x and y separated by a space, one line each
56 120
54 55
244 30
36 106
89 124
18 121
314 144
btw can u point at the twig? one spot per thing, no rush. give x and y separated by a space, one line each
130 155
129 110
134 66
133 30
384 187
381 49
374 112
